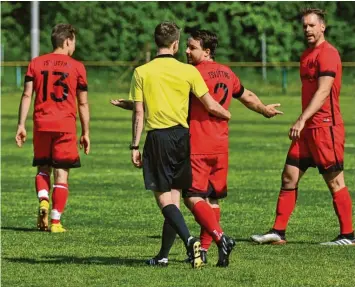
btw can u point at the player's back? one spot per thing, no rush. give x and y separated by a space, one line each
56 78
166 83
209 134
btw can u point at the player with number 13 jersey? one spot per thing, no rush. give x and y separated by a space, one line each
56 78
60 85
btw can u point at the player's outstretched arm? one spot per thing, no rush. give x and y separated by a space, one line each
84 114
214 107
252 102
24 107
124 104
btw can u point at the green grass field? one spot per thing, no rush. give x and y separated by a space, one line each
114 224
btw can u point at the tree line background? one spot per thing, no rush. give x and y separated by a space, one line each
123 30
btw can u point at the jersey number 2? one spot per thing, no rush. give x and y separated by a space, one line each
225 89
225 95
59 82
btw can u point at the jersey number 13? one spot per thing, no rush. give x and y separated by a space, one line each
59 82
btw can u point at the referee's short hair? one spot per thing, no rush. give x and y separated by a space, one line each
166 33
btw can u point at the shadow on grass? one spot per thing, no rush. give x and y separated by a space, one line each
288 243
79 260
245 240
24 229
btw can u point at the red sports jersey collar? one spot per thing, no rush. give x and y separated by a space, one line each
205 63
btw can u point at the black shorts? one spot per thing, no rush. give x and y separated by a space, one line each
166 159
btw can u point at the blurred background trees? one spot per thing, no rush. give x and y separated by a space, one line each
124 30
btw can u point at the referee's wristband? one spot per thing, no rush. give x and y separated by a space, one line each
132 147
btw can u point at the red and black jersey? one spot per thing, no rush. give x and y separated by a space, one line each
323 60
56 79
209 134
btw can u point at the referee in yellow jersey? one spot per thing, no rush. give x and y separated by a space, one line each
160 91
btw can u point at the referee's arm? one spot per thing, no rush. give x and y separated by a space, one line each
137 122
214 107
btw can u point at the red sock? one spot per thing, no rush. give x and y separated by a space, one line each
285 205
343 209
217 213
205 237
59 199
43 182
205 216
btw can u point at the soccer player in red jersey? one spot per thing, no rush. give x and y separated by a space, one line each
60 83
209 141
317 135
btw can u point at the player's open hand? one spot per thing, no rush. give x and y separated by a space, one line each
296 129
124 104
85 143
271 111
21 136
136 158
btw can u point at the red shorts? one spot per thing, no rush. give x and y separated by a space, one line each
209 176
321 147
55 149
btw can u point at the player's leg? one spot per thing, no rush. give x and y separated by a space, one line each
176 220
286 203
65 156
194 197
297 162
201 170
169 234
166 167
167 238
42 159
59 198
204 216
328 150
218 181
342 204
205 237
43 183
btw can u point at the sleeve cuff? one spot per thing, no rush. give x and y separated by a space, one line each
240 93
28 79
82 87
326 73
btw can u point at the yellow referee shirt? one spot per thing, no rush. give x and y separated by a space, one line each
163 85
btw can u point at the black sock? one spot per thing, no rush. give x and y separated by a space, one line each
349 235
173 215
279 232
167 239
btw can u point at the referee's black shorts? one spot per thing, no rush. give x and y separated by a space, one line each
166 159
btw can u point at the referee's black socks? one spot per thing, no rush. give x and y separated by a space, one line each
167 239
173 215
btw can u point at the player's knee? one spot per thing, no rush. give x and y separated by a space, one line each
191 201
61 175
45 169
188 203
335 182
212 202
288 180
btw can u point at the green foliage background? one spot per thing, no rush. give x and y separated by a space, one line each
122 30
